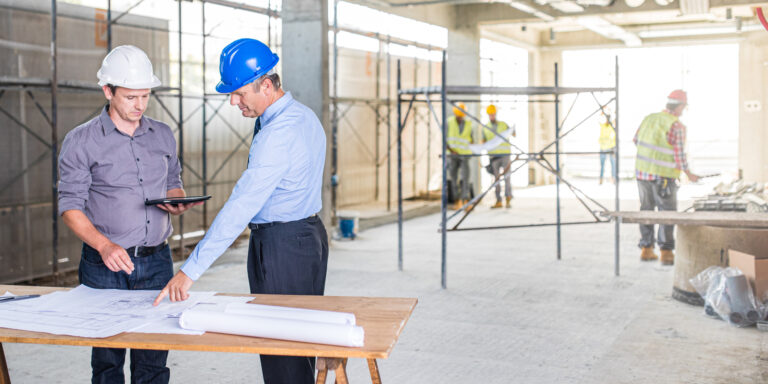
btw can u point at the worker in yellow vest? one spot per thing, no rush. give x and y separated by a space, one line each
660 159
607 143
458 139
500 154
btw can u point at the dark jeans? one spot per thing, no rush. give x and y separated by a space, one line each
655 195
289 259
459 167
150 272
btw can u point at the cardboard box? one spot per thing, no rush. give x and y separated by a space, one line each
754 268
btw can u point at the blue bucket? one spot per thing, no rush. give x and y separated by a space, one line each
348 224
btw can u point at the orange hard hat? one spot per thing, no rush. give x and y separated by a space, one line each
678 96
459 112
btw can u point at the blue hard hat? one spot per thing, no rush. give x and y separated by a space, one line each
243 61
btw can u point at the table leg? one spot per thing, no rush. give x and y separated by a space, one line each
373 366
322 370
341 371
4 377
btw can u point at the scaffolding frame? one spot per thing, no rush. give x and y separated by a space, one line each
209 108
54 87
425 95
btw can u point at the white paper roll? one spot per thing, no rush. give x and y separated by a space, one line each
272 328
343 318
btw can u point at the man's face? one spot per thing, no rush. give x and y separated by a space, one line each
252 100
129 104
492 117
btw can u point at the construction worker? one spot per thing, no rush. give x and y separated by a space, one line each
107 168
459 138
660 158
607 143
277 197
499 155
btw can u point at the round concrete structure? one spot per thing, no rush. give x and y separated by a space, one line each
700 247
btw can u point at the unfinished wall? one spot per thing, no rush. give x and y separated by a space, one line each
25 197
753 107
363 153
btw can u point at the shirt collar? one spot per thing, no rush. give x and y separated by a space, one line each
108 126
273 110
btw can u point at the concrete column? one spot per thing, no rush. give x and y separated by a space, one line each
463 68
542 123
305 69
753 107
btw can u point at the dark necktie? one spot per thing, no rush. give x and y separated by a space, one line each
257 127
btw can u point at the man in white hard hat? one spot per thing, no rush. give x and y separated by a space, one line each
108 167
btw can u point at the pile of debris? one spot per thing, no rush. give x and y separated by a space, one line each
736 196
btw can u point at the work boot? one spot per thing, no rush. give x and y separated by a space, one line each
497 205
469 206
509 198
667 257
647 254
458 204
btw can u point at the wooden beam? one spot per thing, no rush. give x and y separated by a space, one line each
5 378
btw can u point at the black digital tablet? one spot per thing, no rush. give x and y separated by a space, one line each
177 200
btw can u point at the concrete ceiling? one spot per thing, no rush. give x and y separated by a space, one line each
612 19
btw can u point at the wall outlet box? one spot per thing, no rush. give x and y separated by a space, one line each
753 106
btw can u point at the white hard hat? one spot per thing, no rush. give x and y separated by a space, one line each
128 67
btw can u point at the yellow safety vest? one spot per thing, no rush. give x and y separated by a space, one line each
654 153
459 140
500 127
607 136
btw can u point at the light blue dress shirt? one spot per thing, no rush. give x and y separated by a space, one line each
283 181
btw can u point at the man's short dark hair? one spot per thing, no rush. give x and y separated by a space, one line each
112 88
273 77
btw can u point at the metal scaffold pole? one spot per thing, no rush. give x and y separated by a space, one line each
181 132
617 224
205 125
444 193
557 162
54 145
399 175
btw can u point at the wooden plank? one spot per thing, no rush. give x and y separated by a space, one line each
373 366
382 318
5 378
715 219
341 371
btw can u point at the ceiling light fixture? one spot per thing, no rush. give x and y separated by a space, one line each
612 31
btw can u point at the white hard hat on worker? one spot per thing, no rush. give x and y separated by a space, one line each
126 77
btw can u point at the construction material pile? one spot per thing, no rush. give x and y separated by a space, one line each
736 196
728 295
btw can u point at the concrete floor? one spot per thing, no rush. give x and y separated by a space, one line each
511 313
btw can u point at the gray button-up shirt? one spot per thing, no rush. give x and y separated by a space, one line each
108 175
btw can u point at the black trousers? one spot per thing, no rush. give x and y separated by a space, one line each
289 259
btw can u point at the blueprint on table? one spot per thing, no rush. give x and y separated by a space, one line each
88 312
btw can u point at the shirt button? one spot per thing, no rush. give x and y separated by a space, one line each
141 180
137 159
147 221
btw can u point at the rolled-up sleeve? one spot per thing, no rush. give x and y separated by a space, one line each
174 166
74 175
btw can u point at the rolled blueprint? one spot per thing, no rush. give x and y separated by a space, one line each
272 328
275 311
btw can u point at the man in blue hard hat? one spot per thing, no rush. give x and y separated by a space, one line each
277 197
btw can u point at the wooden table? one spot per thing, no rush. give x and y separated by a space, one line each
382 318
703 239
